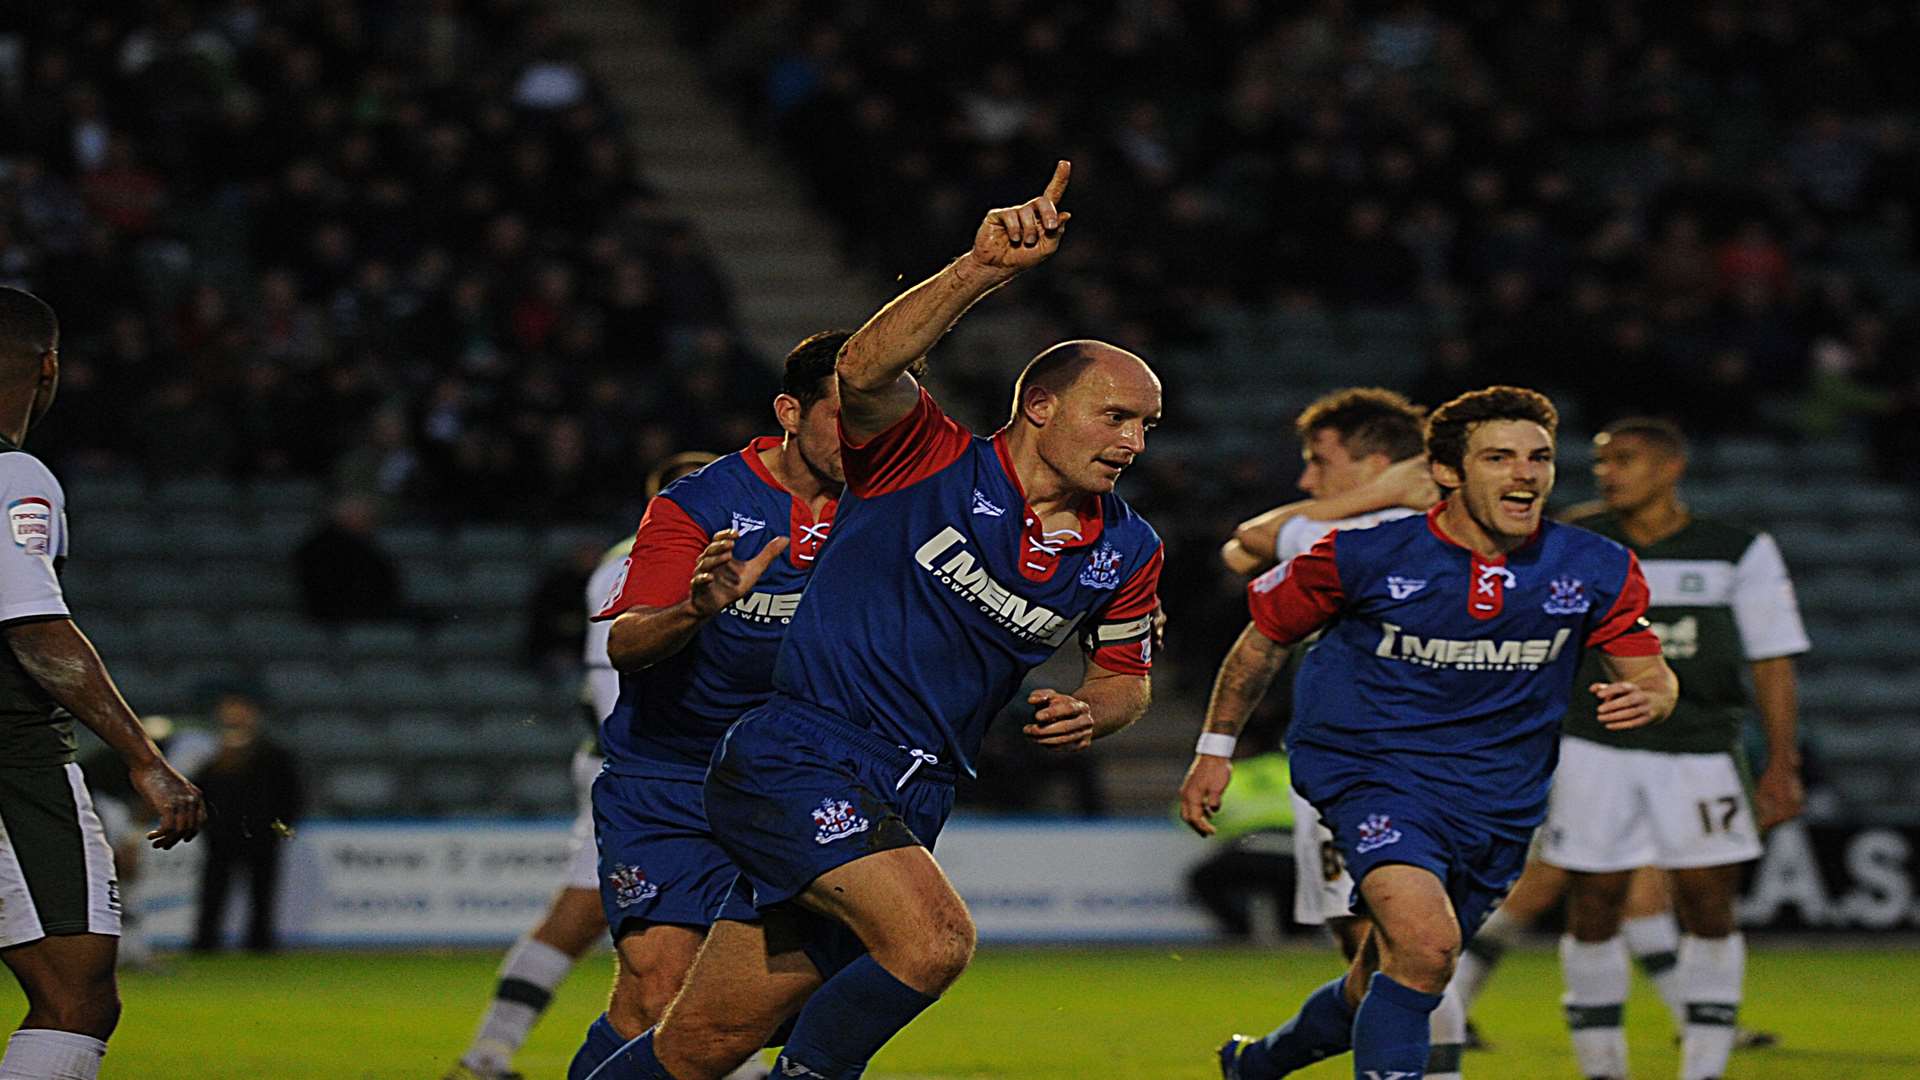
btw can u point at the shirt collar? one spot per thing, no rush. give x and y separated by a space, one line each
1433 524
1092 520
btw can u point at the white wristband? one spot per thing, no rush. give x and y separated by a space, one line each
1215 745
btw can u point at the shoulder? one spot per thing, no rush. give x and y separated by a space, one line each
1583 550
1123 524
712 488
1381 537
19 469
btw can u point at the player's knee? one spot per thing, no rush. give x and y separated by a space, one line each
1426 963
1707 919
90 1007
942 953
1595 906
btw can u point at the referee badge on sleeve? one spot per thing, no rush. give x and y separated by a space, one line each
31 520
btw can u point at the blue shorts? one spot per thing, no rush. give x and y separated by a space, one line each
794 791
1375 825
658 862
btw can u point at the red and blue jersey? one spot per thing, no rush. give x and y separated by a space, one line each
941 589
669 715
1442 672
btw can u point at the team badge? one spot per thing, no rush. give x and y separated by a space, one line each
31 520
742 524
1569 597
836 821
1102 570
1402 587
985 507
1376 832
630 886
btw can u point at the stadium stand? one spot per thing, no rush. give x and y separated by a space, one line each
413 250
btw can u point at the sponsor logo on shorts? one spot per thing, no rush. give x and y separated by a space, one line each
31 520
1102 570
1376 832
836 821
742 524
113 895
985 506
630 886
1569 597
1402 587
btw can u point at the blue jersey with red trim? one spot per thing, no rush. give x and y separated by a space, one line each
669 715
1443 672
941 591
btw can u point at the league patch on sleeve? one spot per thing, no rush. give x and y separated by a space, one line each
31 520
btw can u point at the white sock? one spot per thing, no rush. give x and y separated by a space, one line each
1596 976
1482 955
527 978
44 1054
1654 941
1448 1027
1711 971
750 1069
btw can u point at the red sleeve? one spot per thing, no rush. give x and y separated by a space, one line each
1293 600
1121 639
1624 631
918 445
659 571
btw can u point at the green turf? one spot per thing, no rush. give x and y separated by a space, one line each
1149 1014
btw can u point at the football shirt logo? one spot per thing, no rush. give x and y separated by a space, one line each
1402 587
742 524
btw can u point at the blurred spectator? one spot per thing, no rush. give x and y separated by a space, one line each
345 575
253 788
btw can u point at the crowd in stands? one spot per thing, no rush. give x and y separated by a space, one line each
401 246
1642 207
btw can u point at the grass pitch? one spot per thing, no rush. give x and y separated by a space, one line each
1142 1013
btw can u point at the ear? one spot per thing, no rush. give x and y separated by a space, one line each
50 365
787 409
1038 405
1446 476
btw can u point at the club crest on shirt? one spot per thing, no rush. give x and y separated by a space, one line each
1569 597
1102 570
1376 832
984 506
31 520
742 524
1402 587
630 885
836 821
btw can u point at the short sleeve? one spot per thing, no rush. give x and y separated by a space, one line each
1623 630
36 537
1296 536
659 570
1764 607
1121 636
1292 600
920 444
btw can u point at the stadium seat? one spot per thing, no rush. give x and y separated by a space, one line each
493 542
116 534
396 684
306 497
499 583
183 634
1761 459
430 585
94 492
216 536
475 638
362 789
412 541
154 583
540 789
305 684
196 495
112 635
496 687
445 790
255 585
363 641
530 732
434 734
282 530
277 636
560 542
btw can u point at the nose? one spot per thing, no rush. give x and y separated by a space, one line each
1134 437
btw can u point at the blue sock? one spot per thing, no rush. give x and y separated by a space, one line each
602 1042
847 1020
1390 1033
1322 1028
629 1061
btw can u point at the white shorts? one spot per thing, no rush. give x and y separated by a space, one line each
1322 888
56 867
1615 809
583 865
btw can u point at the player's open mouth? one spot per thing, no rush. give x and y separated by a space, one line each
1117 466
1519 502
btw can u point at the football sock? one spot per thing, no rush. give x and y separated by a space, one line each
847 1020
1448 1027
1390 1029
1711 971
527 977
1654 941
45 1054
1322 1028
1482 954
1596 975
602 1043
633 1061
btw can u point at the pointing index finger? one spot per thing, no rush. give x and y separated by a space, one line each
1057 186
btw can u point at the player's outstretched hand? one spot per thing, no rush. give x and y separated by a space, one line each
1623 705
1778 796
719 579
1207 780
1060 721
174 800
1014 238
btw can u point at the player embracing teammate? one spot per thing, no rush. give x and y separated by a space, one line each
1430 711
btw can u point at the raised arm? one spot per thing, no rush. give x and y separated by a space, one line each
1407 483
875 389
1243 680
62 661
